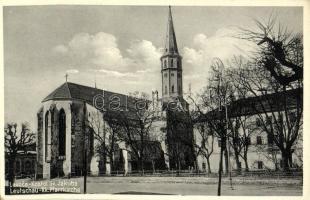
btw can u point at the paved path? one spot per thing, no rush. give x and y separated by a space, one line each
153 185
191 189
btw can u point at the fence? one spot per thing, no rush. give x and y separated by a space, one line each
192 173
294 173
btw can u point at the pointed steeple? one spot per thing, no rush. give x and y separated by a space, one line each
171 66
171 42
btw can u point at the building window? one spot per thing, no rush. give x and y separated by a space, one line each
166 89
171 62
259 140
269 120
270 139
258 122
260 164
172 88
178 63
165 63
248 140
219 142
72 141
172 74
292 117
204 166
62 133
165 75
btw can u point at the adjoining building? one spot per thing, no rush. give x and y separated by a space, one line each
262 152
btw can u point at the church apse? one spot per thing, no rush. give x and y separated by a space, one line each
54 143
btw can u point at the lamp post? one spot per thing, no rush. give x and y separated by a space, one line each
84 148
224 136
227 143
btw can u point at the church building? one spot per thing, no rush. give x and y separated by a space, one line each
65 123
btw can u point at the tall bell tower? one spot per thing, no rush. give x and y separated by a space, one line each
171 66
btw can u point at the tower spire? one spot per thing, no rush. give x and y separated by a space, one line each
171 65
171 42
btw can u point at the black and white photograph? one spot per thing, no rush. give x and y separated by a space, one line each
170 99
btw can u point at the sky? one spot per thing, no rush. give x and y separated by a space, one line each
118 47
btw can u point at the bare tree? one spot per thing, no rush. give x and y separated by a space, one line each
204 140
214 100
105 132
205 146
240 125
278 109
15 142
280 51
136 124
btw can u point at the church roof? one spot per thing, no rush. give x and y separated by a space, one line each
171 42
68 91
260 104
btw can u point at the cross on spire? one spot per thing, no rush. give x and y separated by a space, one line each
66 75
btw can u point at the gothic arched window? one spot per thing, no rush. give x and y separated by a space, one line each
62 133
91 141
172 88
166 89
47 136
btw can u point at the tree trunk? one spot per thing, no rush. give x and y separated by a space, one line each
179 166
196 168
153 166
286 156
111 163
11 172
226 161
246 162
220 173
141 164
237 161
209 167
